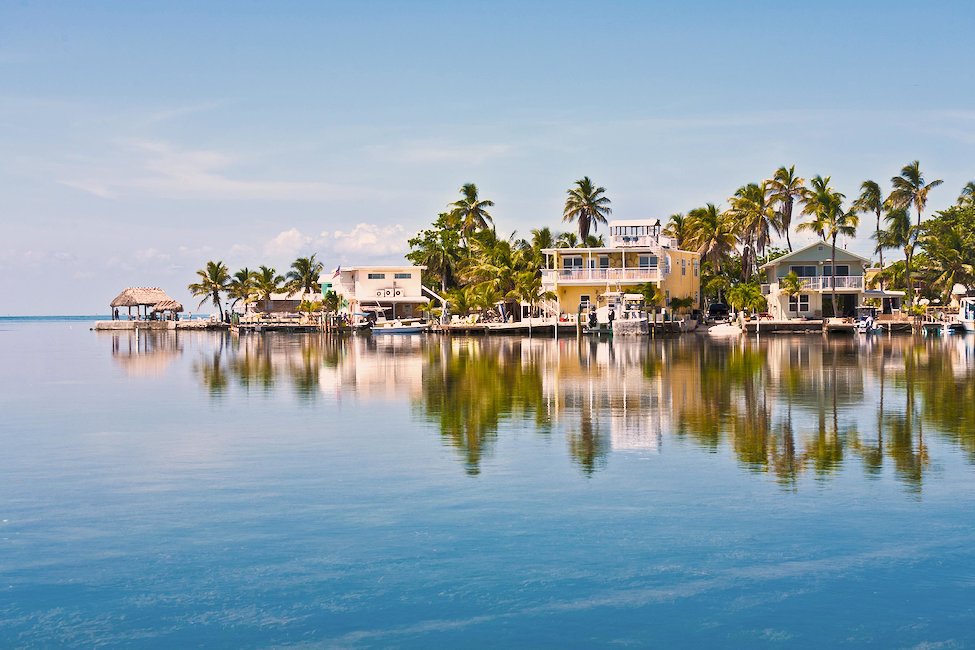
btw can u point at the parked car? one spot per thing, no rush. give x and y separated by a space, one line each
718 311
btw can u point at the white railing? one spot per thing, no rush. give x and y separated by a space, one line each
824 283
551 276
639 241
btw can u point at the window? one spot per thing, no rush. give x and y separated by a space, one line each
799 303
648 261
697 268
403 276
572 262
377 276
584 299
683 267
841 269
604 261
804 271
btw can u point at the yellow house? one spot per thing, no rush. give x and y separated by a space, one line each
637 253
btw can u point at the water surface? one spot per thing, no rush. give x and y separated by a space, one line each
166 490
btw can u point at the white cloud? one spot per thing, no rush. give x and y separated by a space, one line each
368 238
288 243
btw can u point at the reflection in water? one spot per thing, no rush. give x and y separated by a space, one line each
783 406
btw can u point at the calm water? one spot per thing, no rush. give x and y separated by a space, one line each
202 490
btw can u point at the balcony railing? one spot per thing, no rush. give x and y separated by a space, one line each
648 274
824 283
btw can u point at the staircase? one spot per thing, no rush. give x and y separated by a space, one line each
549 308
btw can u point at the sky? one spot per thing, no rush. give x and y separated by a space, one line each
139 140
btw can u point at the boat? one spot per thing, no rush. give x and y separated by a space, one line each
966 313
408 326
623 314
725 330
866 322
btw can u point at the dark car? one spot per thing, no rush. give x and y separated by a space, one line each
718 311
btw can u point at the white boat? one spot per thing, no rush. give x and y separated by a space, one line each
409 326
966 314
725 329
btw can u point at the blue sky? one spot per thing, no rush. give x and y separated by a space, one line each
139 140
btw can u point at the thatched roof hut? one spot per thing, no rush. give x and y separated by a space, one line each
149 299
141 296
168 305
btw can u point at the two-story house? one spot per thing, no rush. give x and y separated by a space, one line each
813 266
637 253
395 291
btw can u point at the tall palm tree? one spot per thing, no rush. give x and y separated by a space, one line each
213 281
587 205
818 194
304 275
755 219
832 221
542 238
967 196
240 287
785 189
871 199
266 282
900 233
711 234
678 229
911 190
469 213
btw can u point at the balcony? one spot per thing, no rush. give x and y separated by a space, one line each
559 276
825 283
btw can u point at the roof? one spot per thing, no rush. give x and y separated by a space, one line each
797 254
168 305
295 295
138 296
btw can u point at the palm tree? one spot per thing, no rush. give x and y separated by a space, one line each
818 194
785 189
967 196
304 275
746 295
910 189
946 260
831 221
711 234
469 213
587 205
791 285
240 287
213 281
595 241
678 229
871 199
266 282
753 213
900 233
567 240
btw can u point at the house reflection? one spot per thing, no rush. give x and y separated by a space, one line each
785 407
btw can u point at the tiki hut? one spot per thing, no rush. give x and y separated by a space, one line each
146 300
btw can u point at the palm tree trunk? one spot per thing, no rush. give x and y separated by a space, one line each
881 251
832 270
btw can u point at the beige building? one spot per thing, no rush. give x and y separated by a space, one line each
395 291
637 253
813 266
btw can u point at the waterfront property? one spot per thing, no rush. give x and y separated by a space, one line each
637 253
392 291
813 266
284 302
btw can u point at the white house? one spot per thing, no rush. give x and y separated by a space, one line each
395 291
813 266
